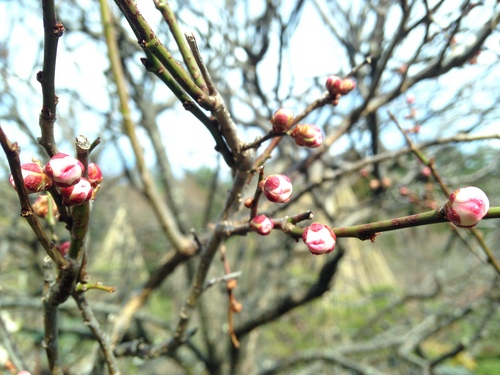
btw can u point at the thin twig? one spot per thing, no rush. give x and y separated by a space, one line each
93 324
430 163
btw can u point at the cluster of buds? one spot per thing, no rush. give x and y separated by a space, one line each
65 172
318 238
305 135
466 207
337 87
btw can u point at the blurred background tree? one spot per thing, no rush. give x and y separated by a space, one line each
417 300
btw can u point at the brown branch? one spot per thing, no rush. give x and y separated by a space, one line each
53 30
12 152
93 324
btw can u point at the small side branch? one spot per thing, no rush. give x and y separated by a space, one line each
91 321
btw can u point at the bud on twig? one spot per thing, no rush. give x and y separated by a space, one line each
307 135
64 170
336 85
78 193
94 174
34 178
41 206
262 225
466 206
319 239
277 188
282 120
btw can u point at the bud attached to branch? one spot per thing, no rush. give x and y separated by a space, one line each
335 85
262 225
466 206
276 188
78 193
64 170
41 206
34 178
307 135
319 239
94 174
282 120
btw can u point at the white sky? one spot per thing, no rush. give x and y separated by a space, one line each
313 53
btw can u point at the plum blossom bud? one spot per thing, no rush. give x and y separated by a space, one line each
94 174
346 86
426 171
24 372
41 206
319 239
64 170
466 206
248 202
307 135
64 248
282 120
34 178
78 193
262 225
333 85
410 99
277 188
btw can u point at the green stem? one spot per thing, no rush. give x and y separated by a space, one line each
187 55
369 231
150 42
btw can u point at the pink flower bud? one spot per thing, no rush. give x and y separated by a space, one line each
426 171
333 85
94 174
64 170
282 120
410 98
262 225
78 193
64 248
467 206
307 135
34 178
319 239
346 86
24 372
277 188
41 206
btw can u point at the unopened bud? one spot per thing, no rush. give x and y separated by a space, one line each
236 307
466 206
231 284
307 135
282 120
319 239
262 225
64 170
333 85
94 174
34 178
77 194
276 188
248 202
410 98
41 206
64 248
346 86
